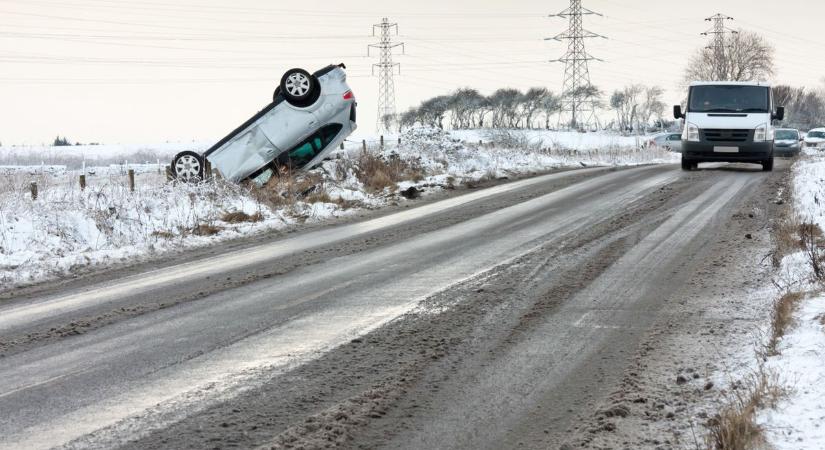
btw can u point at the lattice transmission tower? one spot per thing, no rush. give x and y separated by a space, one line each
386 71
579 100
718 43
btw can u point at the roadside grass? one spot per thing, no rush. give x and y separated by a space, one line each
782 318
735 427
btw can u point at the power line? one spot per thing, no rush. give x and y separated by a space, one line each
386 71
578 94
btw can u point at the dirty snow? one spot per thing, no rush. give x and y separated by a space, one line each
68 231
798 422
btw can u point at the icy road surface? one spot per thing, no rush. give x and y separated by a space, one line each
166 358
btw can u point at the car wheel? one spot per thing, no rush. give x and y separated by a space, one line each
688 165
187 166
300 88
767 165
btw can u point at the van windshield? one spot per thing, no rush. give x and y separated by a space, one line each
729 99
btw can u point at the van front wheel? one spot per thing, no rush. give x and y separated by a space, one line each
689 165
767 166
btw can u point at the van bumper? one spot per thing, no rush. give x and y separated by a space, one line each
724 151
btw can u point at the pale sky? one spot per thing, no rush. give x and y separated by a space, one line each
118 71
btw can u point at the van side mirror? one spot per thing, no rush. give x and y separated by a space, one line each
780 113
677 112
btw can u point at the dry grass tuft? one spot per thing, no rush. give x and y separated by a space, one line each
206 230
163 234
786 240
241 217
377 172
811 242
782 319
735 427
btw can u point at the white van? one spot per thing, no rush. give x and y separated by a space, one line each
728 122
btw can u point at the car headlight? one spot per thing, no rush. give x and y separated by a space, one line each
762 133
690 133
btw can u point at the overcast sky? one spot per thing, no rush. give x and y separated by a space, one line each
119 71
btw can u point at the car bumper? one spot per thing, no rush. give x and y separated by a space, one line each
786 151
727 151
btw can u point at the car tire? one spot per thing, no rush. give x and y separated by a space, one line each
300 88
688 165
188 166
767 165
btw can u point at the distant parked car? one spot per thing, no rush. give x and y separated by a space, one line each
667 141
309 116
815 139
787 142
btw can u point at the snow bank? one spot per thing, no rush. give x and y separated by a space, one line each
797 422
67 230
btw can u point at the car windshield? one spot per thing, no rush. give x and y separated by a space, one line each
729 99
787 135
817 134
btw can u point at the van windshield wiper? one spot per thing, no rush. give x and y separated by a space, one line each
721 110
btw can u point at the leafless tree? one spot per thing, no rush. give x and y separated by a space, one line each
804 108
550 106
746 56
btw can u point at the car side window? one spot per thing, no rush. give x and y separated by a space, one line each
304 152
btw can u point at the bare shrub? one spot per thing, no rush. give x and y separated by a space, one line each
782 319
507 138
735 427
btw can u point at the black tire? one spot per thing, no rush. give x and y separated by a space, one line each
767 165
688 165
188 166
299 88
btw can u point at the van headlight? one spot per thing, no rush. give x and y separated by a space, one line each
761 134
690 133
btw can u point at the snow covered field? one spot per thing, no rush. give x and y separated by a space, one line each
799 421
66 230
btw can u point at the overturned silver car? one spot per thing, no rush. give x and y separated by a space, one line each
309 116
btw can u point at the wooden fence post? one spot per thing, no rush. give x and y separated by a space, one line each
34 190
382 141
364 144
207 169
83 182
132 180
169 176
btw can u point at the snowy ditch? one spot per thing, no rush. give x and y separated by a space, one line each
67 230
798 420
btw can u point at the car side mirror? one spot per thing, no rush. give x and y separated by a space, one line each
677 112
780 113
